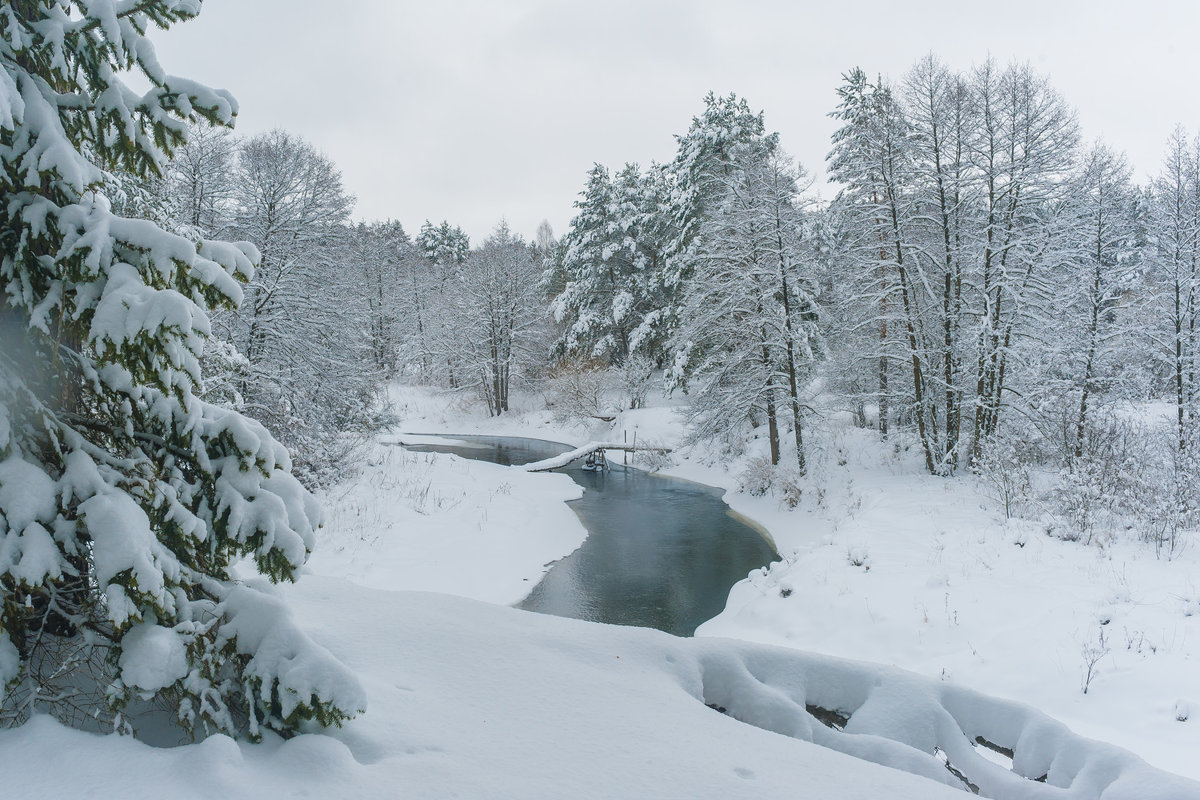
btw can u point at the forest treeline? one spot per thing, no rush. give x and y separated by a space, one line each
982 283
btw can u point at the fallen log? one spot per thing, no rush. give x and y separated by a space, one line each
560 461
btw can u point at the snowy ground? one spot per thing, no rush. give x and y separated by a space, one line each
945 586
472 699
426 522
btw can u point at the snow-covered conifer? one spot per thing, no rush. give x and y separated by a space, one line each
610 301
124 498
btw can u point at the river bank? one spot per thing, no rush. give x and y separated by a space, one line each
660 552
885 564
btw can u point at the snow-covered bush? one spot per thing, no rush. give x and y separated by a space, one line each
577 391
1172 508
791 488
758 477
1002 467
1107 481
783 481
1078 498
858 556
635 378
125 497
654 460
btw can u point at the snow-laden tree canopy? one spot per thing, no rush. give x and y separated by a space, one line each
124 499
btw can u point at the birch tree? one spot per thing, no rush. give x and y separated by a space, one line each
942 116
1103 270
1022 151
304 326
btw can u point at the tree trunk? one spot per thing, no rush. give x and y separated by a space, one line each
789 327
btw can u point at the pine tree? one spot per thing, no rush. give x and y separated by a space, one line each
698 175
445 245
124 498
870 157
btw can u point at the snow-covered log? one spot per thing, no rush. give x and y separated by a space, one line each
559 461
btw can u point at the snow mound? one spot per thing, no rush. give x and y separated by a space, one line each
932 729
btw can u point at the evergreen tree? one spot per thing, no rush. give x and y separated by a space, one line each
871 158
610 301
124 498
445 245
698 175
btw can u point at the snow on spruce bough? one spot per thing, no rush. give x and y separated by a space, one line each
124 498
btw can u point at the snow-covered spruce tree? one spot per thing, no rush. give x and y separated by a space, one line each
611 299
866 151
695 182
588 277
446 245
123 497
444 248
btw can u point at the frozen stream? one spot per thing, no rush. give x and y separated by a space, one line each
660 552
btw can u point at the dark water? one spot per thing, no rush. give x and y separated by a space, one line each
660 553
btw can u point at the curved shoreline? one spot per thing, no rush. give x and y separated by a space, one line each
661 551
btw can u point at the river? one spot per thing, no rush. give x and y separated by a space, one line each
661 552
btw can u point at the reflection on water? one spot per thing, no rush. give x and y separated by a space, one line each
660 553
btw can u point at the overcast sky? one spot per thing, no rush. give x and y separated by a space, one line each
473 111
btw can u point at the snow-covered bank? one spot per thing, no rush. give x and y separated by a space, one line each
893 566
473 700
885 564
429 522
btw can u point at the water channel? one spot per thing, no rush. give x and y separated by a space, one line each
660 552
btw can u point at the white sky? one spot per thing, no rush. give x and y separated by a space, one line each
471 111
